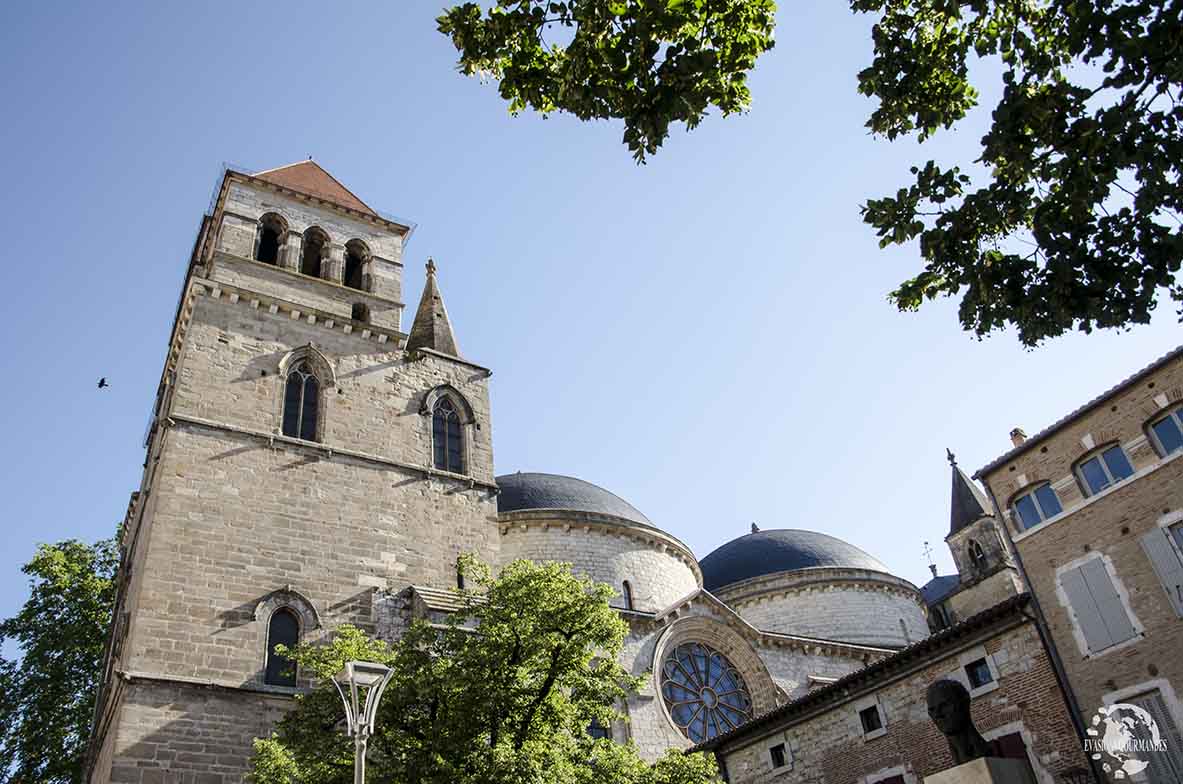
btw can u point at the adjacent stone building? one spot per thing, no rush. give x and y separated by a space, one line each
1093 505
310 463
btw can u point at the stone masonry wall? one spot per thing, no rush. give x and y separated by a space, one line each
608 551
828 746
247 203
240 519
833 604
1110 524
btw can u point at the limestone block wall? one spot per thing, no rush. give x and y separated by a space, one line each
984 593
313 296
660 569
792 667
372 400
850 605
826 742
186 733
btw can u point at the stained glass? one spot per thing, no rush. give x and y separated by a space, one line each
704 693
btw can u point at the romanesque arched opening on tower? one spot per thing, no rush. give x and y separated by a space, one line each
271 231
356 255
315 241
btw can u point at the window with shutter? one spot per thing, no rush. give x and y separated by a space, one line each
1167 564
1165 766
1099 612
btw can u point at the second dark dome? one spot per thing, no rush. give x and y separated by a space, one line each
780 550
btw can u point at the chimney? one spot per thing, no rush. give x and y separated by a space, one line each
933 568
1018 437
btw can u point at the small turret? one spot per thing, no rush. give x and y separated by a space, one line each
432 329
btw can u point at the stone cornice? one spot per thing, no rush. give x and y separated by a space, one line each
568 520
329 451
279 692
274 305
722 613
359 294
766 587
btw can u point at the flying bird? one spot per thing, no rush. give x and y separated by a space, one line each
103 383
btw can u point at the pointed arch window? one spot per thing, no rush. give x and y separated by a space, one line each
627 591
283 629
446 436
977 556
301 403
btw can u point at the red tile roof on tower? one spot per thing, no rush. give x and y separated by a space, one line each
309 177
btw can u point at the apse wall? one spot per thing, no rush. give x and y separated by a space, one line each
659 569
851 605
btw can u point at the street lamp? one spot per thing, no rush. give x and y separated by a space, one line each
361 685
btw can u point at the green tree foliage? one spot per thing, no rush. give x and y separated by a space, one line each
649 63
504 693
47 697
1075 221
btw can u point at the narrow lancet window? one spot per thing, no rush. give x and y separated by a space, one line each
446 437
301 401
355 259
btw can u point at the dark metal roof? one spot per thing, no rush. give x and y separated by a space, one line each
1059 423
780 550
939 587
968 503
846 687
551 491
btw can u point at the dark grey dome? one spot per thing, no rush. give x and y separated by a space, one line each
550 491
781 550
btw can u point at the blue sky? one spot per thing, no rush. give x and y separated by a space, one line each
707 335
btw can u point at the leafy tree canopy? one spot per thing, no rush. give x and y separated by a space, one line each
47 697
649 63
504 693
1075 222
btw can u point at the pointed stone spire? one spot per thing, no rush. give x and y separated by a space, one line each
432 329
968 503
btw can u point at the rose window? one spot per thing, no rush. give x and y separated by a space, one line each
704 693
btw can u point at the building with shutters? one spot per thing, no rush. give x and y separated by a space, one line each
1093 510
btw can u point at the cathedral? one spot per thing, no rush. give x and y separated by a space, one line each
310 463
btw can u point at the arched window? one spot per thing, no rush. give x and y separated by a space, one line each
459 575
628 595
360 312
446 438
271 231
1037 505
284 629
977 557
355 260
301 403
315 241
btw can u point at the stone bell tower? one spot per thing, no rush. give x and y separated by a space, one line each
304 465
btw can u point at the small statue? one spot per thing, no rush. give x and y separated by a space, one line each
948 707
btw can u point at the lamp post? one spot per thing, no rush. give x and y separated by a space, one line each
361 685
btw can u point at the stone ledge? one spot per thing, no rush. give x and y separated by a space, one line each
328 451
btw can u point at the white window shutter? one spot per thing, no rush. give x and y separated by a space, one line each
1164 765
1113 612
1166 562
1088 618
